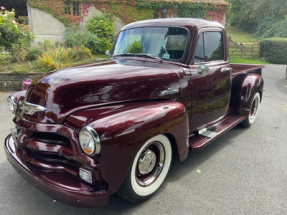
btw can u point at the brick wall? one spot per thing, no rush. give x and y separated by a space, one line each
13 82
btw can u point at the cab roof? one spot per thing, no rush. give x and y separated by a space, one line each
178 22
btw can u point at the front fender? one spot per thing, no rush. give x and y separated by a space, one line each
123 129
19 96
250 85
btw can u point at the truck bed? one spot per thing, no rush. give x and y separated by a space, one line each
244 68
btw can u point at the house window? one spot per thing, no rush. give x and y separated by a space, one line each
67 7
72 8
76 10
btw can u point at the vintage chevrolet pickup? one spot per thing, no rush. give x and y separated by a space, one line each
86 132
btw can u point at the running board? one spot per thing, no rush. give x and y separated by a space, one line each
207 135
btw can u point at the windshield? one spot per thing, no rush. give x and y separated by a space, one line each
167 43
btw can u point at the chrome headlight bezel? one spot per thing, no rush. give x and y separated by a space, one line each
94 137
13 106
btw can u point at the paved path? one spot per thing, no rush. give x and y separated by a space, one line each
243 172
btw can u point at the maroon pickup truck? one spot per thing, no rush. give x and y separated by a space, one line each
83 133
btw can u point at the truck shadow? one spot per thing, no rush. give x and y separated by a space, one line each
195 159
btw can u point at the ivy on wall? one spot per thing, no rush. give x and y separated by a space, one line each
55 7
127 13
131 11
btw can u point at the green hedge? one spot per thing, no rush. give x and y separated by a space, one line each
274 50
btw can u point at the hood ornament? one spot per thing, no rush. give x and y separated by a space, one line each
30 108
169 91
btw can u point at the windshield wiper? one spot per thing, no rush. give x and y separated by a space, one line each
140 55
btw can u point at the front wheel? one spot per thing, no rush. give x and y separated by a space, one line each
148 170
252 112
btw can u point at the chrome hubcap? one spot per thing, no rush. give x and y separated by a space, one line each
150 164
147 162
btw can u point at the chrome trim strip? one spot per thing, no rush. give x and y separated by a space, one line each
169 91
226 69
30 108
95 137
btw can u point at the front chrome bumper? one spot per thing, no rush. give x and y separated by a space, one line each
58 185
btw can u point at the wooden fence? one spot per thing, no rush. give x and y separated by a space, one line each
243 50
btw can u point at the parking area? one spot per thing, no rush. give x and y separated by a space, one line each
242 172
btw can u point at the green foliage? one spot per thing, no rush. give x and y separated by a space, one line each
239 35
240 15
20 69
195 10
46 63
274 50
22 20
5 59
81 53
104 45
272 27
126 12
90 60
33 54
60 57
265 17
103 27
247 60
14 37
9 31
135 47
46 45
74 37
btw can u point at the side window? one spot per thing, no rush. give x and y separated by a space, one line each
213 46
209 47
199 52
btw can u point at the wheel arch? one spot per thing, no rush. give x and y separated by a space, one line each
248 86
177 147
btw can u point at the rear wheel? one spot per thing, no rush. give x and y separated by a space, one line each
252 112
148 170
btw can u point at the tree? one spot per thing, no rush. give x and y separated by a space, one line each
13 36
265 17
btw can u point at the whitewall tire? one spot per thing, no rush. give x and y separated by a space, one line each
252 112
148 170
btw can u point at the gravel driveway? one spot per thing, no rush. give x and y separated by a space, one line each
242 172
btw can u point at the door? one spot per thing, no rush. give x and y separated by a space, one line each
211 79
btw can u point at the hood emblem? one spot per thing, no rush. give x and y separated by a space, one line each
30 108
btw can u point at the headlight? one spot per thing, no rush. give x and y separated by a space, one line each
12 104
89 140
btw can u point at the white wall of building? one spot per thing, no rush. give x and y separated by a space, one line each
44 26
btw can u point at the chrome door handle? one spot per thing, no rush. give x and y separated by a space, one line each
226 69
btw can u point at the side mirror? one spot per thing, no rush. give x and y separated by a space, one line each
203 70
107 53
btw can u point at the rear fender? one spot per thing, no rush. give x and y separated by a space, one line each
250 85
123 129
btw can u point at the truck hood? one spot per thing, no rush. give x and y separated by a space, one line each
76 88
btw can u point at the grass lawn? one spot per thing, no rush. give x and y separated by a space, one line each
247 61
238 35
